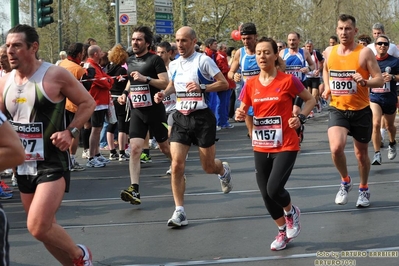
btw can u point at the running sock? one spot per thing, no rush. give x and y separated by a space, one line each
224 174
122 152
282 228
73 158
377 152
346 179
135 187
392 143
363 187
179 208
147 151
113 151
290 212
98 155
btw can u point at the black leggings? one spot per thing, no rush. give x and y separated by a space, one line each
272 173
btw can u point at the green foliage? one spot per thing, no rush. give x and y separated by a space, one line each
313 19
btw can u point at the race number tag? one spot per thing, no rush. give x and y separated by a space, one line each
140 95
267 132
249 73
342 83
31 136
294 70
170 102
385 89
188 102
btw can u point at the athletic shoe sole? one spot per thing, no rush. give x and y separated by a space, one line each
126 196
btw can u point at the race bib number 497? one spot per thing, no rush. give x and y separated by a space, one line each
31 136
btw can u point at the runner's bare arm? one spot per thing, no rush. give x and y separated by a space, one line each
327 91
234 67
11 151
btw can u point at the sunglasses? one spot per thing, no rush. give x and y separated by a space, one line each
382 43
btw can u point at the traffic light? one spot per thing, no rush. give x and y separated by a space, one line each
43 12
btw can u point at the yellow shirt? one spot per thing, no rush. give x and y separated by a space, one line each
346 94
77 71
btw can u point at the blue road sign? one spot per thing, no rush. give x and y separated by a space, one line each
164 30
164 23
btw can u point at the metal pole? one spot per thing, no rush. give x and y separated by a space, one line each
183 13
14 13
117 28
128 36
32 16
59 26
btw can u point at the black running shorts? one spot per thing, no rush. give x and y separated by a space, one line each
28 183
198 128
359 123
154 119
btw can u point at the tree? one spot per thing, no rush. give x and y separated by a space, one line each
313 19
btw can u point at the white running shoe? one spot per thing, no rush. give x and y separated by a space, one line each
225 181
342 195
102 159
293 224
377 160
391 152
364 199
86 154
280 242
178 219
94 163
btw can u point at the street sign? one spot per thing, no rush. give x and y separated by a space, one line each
127 12
127 18
127 5
160 30
163 3
163 9
164 23
163 16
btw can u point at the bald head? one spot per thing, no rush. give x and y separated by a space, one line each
92 50
186 39
187 31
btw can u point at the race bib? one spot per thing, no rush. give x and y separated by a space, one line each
342 83
249 73
188 102
294 70
267 132
170 102
385 89
31 136
140 95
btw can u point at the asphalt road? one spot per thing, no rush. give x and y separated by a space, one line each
225 229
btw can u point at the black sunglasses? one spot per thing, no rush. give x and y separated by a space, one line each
383 43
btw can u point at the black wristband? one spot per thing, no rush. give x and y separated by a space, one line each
302 118
126 92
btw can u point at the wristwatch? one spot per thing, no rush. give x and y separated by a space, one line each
148 79
302 118
203 88
74 132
